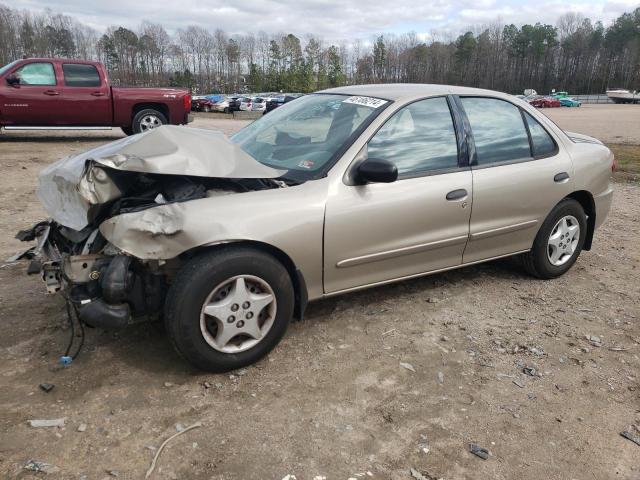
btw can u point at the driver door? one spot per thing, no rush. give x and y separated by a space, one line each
35 100
379 232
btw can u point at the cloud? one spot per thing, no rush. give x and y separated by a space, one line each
333 20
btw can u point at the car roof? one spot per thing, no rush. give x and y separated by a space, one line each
407 91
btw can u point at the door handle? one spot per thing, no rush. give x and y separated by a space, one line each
98 94
457 194
561 177
51 92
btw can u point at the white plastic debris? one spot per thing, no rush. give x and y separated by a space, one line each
408 366
54 422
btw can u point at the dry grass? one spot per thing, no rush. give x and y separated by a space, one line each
628 159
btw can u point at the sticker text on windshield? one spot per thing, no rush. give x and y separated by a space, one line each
366 101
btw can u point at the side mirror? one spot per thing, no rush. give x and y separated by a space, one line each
13 80
375 170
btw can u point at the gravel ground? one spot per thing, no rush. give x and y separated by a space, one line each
334 399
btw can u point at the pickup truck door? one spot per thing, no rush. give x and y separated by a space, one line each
86 95
34 100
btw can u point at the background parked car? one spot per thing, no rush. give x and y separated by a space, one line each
544 102
259 104
246 104
202 105
222 105
234 103
275 102
569 102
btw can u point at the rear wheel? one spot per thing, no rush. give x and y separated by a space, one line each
148 119
228 308
559 241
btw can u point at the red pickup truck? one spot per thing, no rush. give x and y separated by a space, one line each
45 93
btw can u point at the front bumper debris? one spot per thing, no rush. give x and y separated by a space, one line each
108 291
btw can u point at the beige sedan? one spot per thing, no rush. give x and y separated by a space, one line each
349 188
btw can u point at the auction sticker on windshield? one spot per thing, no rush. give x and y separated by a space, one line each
366 101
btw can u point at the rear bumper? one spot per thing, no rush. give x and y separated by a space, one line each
603 205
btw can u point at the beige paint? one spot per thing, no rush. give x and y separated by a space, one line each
378 233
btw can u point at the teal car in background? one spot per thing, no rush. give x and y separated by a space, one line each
569 102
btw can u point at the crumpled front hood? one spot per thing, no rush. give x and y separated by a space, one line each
64 188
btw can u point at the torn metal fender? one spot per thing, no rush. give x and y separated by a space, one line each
70 186
275 217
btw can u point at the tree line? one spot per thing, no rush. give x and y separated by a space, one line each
577 54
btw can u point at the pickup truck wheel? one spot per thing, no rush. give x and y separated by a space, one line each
228 308
148 119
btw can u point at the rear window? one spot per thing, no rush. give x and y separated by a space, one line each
498 130
80 75
541 141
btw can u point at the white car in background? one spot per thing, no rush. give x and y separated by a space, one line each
259 104
246 104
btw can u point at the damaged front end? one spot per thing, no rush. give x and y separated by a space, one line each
108 289
170 165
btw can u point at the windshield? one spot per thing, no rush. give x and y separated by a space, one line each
306 136
7 67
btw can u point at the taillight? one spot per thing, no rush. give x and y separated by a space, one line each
187 102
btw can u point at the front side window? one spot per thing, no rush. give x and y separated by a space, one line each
305 137
80 75
498 130
36 74
541 141
419 138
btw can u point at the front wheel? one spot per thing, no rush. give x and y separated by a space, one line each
228 308
148 119
558 242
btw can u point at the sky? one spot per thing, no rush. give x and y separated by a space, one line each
333 20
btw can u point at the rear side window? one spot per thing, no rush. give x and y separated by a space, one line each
39 73
419 138
498 130
541 141
79 75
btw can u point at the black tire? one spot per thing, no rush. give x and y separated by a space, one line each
127 130
193 284
142 114
536 261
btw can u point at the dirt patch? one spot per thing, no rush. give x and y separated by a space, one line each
542 374
609 123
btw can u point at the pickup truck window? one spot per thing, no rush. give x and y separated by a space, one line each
38 73
80 75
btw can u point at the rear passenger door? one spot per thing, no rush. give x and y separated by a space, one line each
86 96
519 175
